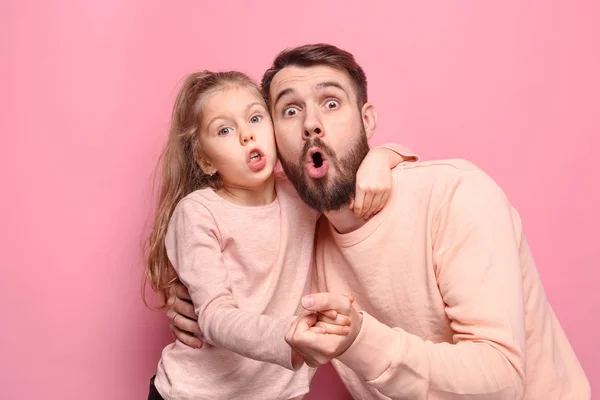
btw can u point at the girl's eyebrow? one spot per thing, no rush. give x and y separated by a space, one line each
256 103
212 121
248 107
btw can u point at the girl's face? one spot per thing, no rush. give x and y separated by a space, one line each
236 137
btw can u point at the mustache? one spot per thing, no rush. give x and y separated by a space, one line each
318 143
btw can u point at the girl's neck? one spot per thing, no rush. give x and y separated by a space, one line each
261 195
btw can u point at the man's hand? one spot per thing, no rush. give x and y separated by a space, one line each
306 335
182 318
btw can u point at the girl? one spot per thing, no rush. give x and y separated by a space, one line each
239 238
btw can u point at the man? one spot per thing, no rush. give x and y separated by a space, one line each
448 302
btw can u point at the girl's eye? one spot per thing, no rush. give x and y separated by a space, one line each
290 111
332 104
255 119
224 131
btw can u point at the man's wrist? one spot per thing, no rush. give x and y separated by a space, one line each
372 351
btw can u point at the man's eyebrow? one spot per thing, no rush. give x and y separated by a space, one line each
324 85
284 92
320 86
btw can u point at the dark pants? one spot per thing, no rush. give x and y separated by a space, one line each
153 394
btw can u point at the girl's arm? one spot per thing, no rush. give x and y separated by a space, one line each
194 249
374 177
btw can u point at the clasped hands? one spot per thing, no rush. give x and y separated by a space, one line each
325 330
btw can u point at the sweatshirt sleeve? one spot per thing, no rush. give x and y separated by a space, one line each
194 249
405 152
475 237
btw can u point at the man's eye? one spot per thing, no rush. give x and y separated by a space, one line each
332 104
290 111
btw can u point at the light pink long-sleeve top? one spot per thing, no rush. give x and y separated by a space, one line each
452 302
246 269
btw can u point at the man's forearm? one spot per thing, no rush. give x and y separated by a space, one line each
402 365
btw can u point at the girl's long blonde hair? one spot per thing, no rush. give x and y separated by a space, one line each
179 170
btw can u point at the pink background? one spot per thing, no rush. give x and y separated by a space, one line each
87 89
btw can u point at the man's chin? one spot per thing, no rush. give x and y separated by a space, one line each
314 172
330 192
321 178
316 184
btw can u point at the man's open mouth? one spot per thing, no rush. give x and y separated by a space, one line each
317 159
316 164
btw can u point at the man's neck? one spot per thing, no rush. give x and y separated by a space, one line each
344 220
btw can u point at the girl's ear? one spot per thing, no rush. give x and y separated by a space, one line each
204 163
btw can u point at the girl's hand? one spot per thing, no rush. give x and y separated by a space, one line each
333 322
374 182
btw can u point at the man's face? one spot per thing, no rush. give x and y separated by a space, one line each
320 133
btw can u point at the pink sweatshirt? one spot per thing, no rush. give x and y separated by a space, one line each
452 302
238 263
246 269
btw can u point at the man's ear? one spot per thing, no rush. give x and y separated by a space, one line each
369 119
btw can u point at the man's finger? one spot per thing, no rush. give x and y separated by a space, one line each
184 308
349 296
184 323
187 325
182 292
327 301
332 329
332 314
340 319
185 338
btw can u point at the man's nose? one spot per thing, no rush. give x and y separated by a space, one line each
316 131
312 127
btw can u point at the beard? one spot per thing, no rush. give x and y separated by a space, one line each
334 190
